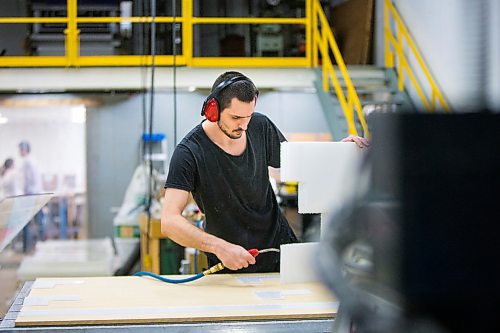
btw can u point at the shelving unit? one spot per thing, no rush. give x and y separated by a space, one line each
156 151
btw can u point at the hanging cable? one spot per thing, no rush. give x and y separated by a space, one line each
144 72
149 136
174 68
151 99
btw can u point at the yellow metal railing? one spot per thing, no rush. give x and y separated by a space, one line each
319 41
395 48
324 42
72 58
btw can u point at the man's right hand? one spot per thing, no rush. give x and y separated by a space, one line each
234 256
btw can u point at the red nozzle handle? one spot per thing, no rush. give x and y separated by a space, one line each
254 252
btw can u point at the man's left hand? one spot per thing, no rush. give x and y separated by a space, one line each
361 142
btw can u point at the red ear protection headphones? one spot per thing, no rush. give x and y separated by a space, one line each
211 107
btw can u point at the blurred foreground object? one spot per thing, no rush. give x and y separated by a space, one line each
417 250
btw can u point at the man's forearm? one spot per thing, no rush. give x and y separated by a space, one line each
184 233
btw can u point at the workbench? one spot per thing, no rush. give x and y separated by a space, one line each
215 303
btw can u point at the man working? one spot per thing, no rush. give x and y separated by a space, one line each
224 163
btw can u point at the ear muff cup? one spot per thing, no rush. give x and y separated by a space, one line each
211 110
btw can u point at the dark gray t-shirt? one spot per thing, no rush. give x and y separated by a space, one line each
234 192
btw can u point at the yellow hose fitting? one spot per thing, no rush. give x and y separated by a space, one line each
213 269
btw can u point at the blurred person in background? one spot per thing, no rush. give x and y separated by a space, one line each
29 170
9 179
30 185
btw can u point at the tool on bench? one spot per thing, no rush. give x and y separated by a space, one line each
211 270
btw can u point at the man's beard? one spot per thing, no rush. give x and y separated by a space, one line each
230 134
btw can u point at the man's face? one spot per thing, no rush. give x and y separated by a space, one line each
234 119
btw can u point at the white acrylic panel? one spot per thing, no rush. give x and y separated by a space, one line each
327 173
296 263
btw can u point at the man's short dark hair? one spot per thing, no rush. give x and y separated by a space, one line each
244 91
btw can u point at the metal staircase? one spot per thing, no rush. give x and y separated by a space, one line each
377 90
349 94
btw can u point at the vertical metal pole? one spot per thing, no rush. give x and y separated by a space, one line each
72 32
325 59
308 28
389 56
399 37
315 37
187 31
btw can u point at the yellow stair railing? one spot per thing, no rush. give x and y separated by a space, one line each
395 56
323 43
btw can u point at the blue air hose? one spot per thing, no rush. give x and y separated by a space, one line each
164 279
211 270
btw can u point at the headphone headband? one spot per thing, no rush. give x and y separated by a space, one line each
225 83
211 108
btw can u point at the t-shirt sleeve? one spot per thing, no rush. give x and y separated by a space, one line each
181 173
274 138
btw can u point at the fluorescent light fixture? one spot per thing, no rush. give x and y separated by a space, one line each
3 120
79 114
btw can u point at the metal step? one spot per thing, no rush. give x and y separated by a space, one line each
363 71
376 90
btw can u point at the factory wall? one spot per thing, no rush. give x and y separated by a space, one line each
114 129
